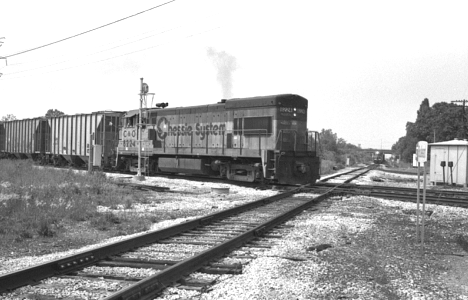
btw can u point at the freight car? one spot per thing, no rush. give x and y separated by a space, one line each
243 139
2 140
19 138
63 140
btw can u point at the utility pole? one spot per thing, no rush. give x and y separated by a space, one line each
465 125
1 57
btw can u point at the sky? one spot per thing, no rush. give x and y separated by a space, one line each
364 66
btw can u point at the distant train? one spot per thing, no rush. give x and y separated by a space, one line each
379 157
262 139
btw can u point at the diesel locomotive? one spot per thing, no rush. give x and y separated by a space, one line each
262 139
379 157
242 139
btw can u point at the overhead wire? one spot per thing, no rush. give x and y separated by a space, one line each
114 42
145 36
117 56
70 37
94 53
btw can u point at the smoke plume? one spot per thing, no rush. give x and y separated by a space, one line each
225 65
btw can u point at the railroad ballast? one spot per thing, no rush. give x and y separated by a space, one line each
243 139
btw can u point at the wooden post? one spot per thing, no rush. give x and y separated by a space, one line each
423 210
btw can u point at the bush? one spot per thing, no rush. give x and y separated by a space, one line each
326 167
35 199
104 221
45 228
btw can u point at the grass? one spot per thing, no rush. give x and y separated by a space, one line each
38 202
326 167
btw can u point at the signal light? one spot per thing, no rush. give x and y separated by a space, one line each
162 104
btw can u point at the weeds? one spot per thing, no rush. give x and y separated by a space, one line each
35 201
105 221
326 167
462 241
45 228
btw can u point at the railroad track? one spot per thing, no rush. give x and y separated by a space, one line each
347 177
208 239
440 197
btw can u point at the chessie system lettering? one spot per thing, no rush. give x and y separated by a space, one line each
165 129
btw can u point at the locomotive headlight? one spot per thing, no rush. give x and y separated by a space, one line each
301 168
294 114
294 109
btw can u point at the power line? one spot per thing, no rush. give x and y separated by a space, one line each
94 53
113 57
70 37
101 46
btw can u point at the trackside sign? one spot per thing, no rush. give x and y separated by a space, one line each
421 151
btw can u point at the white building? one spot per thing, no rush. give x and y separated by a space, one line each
449 162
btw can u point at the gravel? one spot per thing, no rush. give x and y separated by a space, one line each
373 253
369 258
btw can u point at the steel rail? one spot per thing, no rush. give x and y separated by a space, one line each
436 193
340 174
34 274
397 193
151 286
356 176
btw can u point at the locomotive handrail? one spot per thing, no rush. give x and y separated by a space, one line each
315 139
280 134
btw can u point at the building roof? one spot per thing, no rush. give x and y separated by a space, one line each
451 143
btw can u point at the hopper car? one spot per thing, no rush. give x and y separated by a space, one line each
62 140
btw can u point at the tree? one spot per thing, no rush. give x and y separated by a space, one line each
8 117
54 113
447 122
441 122
337 150
328 141
405 147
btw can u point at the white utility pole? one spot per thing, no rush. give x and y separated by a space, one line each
143 91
